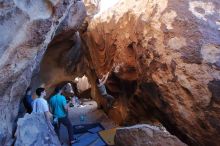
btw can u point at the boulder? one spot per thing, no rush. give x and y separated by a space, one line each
145 135
32 130
27 27
163 56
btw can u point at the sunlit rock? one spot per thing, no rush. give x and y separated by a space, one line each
163 56
145 135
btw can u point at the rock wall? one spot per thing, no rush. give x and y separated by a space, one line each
27 27
33 130
145 135
64 52
163 56
168 53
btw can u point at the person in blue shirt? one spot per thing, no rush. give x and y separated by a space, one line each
59 108
27 100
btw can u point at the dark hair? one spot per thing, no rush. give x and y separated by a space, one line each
28 89
57 90
97 81
39 91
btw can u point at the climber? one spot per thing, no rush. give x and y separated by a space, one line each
27 100
40 106
59 109
101 87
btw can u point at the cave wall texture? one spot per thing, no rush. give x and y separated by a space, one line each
168 52
163 55
27 27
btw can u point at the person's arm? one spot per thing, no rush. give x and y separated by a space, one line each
104 78
50 109
65 104
66 107
48 116
100 82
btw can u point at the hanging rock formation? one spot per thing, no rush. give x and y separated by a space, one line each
145 135
64 52
168 52
27 27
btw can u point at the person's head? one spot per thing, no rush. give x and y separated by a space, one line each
69 88
40 92
58 90
97 81
28 91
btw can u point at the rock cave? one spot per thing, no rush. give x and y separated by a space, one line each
163 57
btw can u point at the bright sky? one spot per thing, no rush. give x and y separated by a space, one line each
105 4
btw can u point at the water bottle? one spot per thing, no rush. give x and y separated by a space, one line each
82 118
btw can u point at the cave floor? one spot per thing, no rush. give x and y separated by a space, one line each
92 115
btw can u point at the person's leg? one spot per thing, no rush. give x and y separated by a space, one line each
56 128
66 122
110 100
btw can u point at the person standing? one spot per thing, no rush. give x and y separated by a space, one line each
27 100
59 108
40 106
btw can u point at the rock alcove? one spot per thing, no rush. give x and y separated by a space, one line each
163 56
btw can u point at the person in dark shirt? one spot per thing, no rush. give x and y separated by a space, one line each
27 101
101 87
